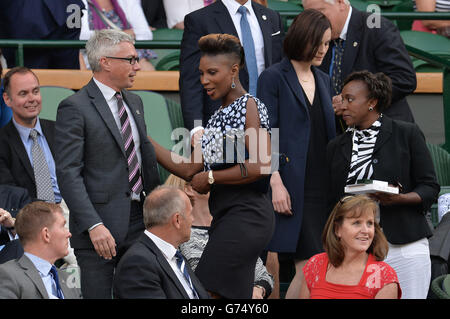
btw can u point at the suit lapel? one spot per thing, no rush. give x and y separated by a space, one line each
352 43
385 133
266 29
292 80
48 128
346 147
223 19
19 148
103 109
164 264
31 271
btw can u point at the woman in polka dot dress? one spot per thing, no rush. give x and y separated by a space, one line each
236 150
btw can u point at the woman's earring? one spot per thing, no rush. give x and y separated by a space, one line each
233 85
371 108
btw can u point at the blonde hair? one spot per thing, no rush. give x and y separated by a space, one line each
175 181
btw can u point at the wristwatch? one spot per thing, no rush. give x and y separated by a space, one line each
210 178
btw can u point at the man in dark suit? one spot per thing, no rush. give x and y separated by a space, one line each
45 239
369 43
26 140
42 20
223 17
16 156
153 268
105 163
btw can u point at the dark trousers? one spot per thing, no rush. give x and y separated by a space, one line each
97 273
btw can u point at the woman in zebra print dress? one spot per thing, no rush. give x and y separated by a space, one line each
377 147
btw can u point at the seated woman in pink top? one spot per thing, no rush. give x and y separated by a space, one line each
352 266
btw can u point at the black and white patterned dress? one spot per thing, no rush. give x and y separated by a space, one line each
243 217
229 120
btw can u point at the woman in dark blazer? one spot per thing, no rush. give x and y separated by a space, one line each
379 148
298 99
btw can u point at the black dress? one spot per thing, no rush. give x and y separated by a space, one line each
243 218
314 209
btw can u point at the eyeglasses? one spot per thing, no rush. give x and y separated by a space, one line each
131 60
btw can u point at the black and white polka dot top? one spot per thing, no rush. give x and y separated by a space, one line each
229 120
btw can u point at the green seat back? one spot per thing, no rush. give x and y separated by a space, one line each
441 162
51 97
437 289
157 119
428 42
169 61
446 284
168 34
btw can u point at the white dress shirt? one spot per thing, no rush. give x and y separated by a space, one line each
232 7
168 250
177 9
258 40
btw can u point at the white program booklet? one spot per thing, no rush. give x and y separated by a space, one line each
371 186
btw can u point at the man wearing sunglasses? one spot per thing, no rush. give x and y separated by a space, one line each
104 162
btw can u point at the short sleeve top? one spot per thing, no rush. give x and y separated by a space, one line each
229 120
376 275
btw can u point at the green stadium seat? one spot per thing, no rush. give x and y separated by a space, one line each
432 43
157 119
438 289
441 162
168 34
51 97
169 62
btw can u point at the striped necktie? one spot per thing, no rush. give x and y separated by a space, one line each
44 188
182 266
134 170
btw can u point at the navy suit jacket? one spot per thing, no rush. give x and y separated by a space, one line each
215 18
15 166
143 272
378 49
400 156
280 90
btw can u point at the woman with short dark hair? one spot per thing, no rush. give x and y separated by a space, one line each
234 166
298 97
379 148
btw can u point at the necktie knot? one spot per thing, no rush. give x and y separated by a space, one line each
242 10
33 134
118 95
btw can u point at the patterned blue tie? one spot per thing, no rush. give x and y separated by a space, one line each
182 265
249 50
58 291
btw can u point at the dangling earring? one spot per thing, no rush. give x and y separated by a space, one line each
371 108
233 85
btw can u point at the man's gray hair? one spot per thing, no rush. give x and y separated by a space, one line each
334 1
102 43
161 204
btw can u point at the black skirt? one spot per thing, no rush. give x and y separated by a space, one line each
242 226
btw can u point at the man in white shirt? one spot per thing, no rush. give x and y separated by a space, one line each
44 238
153 268
223 16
